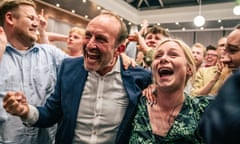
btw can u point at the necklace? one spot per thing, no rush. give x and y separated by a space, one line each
161 121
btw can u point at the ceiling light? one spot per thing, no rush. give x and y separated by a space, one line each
219 21
199 20
236 10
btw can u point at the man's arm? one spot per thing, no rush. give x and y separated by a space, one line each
3 42
127 61
43 36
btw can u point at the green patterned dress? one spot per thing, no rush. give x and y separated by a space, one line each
183 130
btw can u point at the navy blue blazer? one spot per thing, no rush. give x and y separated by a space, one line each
62 106
220 123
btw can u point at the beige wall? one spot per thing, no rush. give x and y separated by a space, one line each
59 20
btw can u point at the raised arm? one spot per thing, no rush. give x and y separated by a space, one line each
142 44
43 36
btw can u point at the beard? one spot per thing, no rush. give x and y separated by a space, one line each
26 37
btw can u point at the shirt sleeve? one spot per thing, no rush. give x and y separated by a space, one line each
32 116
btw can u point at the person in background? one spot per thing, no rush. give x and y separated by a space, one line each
211 57
175 116
140 59
25 66
221 44
75 42
74 39
152 37
198 52
220 122
95 98
210 78
132 41
148 42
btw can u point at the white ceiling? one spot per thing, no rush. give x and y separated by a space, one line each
211 12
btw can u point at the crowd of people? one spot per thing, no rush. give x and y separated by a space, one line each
94 92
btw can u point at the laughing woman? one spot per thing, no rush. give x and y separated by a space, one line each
174 118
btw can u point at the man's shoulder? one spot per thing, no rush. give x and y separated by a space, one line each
73 60
48 48
71 66
37 45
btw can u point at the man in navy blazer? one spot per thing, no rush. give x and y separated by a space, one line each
95 98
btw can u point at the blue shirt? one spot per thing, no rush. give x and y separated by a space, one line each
131 50
33 72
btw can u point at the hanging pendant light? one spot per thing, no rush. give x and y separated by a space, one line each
236 9
199 20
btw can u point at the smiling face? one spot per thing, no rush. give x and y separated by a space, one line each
100 49
25 22
231 56
170 66
211 57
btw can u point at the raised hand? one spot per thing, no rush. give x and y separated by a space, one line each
218 71
43 36
42 22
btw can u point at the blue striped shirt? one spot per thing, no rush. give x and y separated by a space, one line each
33 72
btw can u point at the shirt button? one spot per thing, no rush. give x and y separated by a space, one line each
35 50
